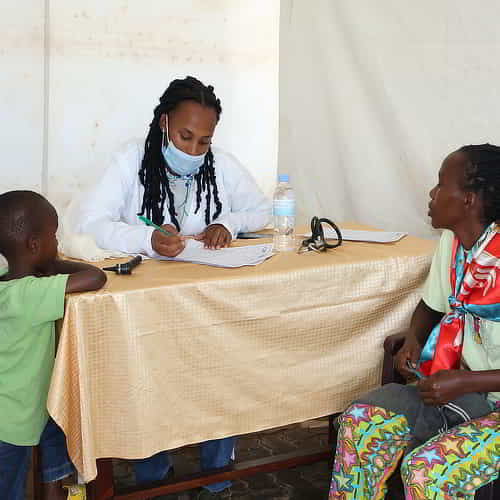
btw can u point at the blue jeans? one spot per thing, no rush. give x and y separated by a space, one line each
213 454
15 460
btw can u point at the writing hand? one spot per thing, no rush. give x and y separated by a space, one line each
169 246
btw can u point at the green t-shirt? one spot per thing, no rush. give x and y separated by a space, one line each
437 289
28 309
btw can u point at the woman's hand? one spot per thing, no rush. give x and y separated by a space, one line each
169 246
215 236
410 352
442 387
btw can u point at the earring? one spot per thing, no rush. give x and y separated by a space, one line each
162 137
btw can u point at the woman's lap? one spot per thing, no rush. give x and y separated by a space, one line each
425 421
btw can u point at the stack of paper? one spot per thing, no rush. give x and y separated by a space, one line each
370 236
225 257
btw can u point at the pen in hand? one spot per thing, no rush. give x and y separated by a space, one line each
149 222
168 247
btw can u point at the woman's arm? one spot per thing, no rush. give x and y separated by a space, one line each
448 385
430 309
99 213
424 319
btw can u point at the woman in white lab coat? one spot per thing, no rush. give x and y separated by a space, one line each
180 183
177 180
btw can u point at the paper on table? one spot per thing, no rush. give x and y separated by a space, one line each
369 236
250 255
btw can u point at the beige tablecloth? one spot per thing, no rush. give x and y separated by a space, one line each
180 353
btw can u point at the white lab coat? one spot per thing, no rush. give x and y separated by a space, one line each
109 211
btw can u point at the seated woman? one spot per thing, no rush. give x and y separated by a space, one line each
179 182
447 424
176 179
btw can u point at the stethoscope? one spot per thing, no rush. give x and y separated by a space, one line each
317 242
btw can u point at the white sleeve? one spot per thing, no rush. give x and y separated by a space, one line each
100 212
250 209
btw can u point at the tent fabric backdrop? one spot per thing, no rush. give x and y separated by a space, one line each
374 95
111 61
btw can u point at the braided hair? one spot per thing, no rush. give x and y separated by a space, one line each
482 176
152 173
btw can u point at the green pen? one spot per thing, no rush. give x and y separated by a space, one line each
152 224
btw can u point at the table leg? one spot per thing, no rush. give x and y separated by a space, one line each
103 486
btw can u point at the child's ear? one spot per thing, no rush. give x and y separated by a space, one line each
33 244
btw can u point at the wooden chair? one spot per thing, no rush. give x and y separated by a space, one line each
392 345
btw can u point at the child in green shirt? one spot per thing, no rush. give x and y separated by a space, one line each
32 290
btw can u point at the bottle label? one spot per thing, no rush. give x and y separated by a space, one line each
284 207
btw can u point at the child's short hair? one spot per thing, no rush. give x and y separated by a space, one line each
22 213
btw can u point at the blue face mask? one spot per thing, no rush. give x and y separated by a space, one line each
181 163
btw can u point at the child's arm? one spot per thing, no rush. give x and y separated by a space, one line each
83 277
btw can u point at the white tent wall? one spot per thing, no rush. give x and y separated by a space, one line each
374 95
79 79
111 61
21 94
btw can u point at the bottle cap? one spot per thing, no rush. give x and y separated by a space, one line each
283 177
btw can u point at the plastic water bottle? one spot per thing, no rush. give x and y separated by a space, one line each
284 216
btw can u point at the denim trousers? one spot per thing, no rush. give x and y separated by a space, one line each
213 454
15 460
